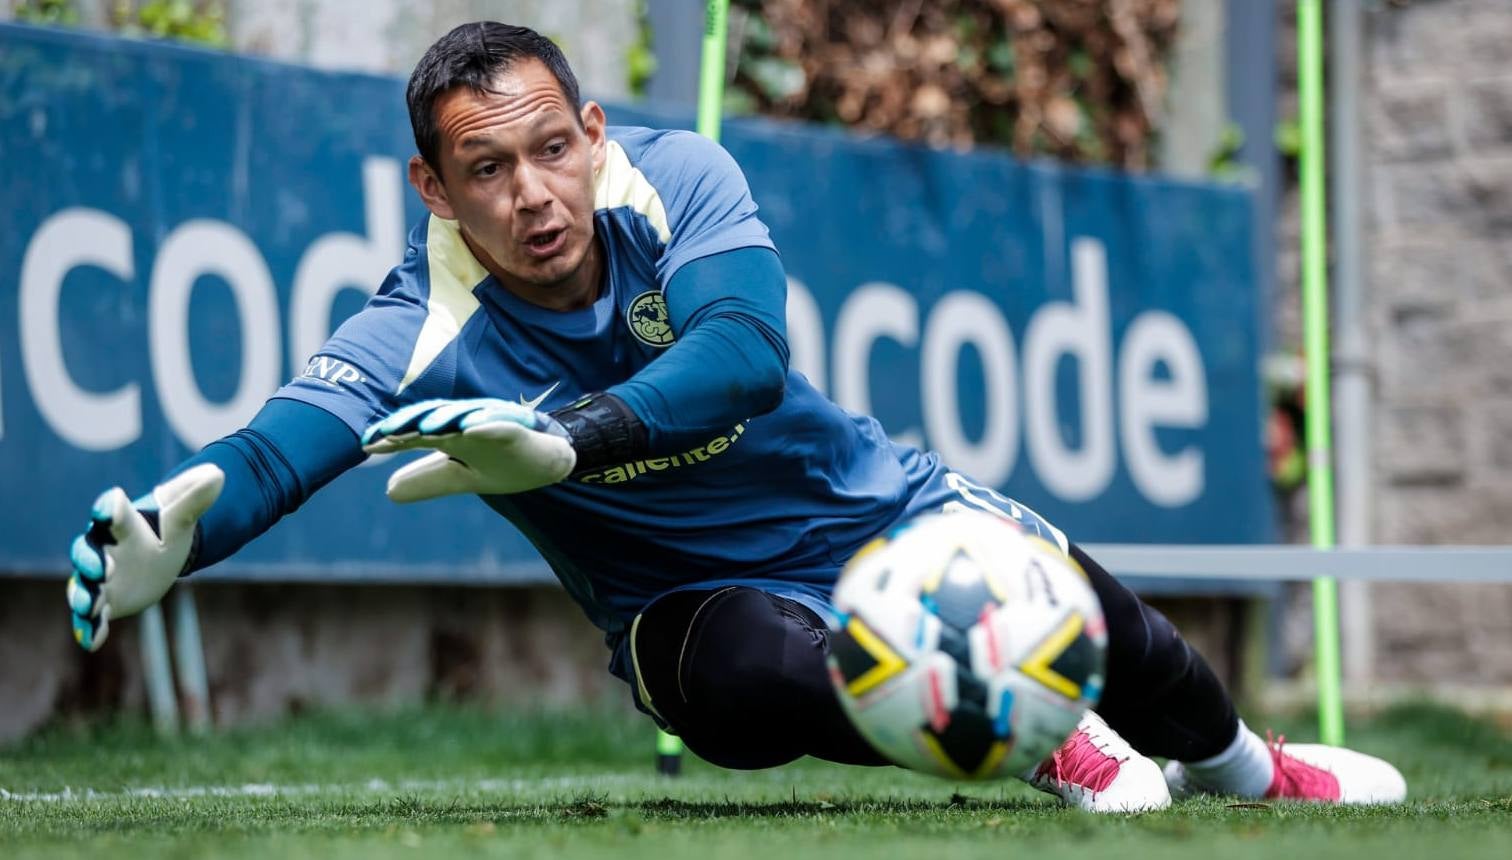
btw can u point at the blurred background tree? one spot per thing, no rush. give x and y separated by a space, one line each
1079 80
202 22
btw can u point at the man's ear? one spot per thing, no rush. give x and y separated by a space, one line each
428 183
594 126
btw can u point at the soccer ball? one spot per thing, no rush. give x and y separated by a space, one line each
966 648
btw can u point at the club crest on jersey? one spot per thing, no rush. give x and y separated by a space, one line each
648 320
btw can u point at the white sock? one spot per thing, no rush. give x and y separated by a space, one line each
1244 769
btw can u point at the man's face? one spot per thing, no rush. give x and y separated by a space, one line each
516 171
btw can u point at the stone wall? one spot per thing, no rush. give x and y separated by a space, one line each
1438 138
388 36
1437 212
275 650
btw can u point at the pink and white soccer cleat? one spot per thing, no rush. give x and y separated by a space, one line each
1312 772
1097 771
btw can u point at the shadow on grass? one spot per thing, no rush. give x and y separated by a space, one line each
586 807
677 810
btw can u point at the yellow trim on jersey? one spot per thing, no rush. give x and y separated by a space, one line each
1037 666
620 183
454 272
888 661
640 684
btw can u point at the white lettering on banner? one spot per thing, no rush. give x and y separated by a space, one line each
958 319
70 239
75 237
873 311
339 261
1078 330
195 249
805 334
1181 401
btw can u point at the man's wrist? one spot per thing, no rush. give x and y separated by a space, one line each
191 561
603 430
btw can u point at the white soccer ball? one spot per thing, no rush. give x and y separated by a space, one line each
966 648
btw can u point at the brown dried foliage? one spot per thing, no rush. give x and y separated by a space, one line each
1081 80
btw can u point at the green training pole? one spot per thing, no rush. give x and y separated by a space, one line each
1320 495
668 754
710 108
711 73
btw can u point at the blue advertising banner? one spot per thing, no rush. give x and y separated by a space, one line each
185 228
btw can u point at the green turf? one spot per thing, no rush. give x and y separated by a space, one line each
447 782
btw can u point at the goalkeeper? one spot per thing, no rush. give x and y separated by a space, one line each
588 333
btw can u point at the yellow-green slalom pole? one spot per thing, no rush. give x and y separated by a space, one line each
711 75
1320 494
668 753
711 72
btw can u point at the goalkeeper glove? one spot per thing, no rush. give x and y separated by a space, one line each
483 446
133 551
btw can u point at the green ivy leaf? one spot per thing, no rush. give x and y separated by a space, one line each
777 79
1001 57
49 12
1289 137
1080 64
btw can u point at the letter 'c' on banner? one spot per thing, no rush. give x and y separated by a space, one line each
875 310
68 240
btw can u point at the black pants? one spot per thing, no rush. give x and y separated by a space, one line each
740 675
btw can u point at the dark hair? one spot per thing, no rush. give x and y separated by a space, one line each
472 55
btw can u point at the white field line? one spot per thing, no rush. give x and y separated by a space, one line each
372 786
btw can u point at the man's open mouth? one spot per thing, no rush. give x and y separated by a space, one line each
545 242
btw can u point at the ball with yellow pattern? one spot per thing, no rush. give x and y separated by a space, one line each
965 647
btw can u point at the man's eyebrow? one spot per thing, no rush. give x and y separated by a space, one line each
479 141
549 117
474 141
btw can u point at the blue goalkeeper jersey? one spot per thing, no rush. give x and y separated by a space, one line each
777 501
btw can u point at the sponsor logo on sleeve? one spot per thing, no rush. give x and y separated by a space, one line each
626 472
330 371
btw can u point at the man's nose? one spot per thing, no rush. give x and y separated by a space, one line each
531 193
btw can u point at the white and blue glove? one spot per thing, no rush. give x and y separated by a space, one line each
484 446
133 551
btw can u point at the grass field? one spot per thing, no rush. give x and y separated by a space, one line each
448 782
